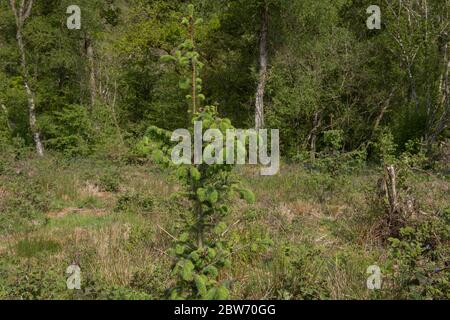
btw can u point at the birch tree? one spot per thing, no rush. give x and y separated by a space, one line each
263 62
22 11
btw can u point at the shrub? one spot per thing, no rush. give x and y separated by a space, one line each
110 181
68 131
135 202
334 140
384 146
420 259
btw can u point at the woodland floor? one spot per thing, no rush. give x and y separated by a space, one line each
309 235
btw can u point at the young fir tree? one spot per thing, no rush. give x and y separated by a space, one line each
201 250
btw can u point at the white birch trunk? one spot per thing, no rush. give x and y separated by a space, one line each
263 61
21 14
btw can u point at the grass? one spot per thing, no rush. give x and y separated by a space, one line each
32 247
309 236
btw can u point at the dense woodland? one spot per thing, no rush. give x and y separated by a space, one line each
363 116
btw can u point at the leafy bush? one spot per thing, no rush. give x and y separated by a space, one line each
333 139
135 202
384 146
5 135
332 159
420 260
110 181
152 282
293 277
23 207
68 131
35 284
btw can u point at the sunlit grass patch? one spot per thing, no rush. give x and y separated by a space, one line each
32 247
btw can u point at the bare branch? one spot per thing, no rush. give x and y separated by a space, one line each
28 11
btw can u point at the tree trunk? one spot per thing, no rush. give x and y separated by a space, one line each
194 69
92 75
313 135
443 121
384 108
6 116
21 14
392 189
263 58
114 116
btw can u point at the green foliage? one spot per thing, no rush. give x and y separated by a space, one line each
110 181
291 283
31 247
5 135
200 251
334 139
33 284
69 131
153 282
339 93
23 208
187 60
385 147
420 260
135 202
309 91
414 155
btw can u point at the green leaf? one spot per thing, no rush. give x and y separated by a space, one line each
181 173
168 58
200 284
220 228
211 294
191 9
222 293
184 61
227 263
188 44
213 196
174 295
195 174
211 253
201 194
184 84
179 249
212 271
184 237
158 156
224 209
194 256
186 272
248 196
